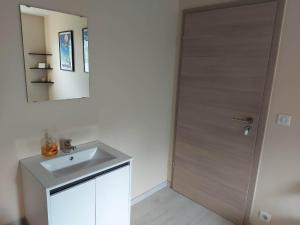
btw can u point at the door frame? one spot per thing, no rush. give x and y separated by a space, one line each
267 89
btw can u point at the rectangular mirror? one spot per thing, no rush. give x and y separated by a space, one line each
56 55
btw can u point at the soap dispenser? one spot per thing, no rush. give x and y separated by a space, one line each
49 145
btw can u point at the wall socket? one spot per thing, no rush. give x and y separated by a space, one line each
265 217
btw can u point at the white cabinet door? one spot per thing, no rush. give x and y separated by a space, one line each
74 206
113 198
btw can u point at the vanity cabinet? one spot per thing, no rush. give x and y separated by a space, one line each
102 198
112 204
74 206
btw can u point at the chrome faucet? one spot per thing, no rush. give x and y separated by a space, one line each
66 146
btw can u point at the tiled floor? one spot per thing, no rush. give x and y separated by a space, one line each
166 207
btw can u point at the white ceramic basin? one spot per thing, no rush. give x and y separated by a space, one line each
63 165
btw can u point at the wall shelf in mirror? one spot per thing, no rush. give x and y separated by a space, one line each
44 54
42 82
36 68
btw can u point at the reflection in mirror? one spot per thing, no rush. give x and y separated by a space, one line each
55 54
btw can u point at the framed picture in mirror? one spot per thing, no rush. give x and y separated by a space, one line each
66 50
85 44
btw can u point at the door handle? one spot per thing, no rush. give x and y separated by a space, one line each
247 130
248 120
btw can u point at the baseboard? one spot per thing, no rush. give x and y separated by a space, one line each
19 222
150 192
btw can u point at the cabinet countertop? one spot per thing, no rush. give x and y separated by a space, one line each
49 181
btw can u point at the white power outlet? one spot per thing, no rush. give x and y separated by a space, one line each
265 217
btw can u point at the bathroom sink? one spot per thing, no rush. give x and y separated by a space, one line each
87 160
66 164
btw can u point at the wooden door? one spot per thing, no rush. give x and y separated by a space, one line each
74 206
223 83
113 197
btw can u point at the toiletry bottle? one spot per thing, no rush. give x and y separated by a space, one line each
49 145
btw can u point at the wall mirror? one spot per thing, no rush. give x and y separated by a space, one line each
56 55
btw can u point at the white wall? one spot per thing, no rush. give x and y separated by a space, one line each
278 185
136 54
33 31
67 84
132 46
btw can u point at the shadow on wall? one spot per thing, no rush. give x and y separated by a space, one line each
30 146
286 221
295 189
20 222
20 195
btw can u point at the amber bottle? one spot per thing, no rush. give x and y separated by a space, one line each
49 145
